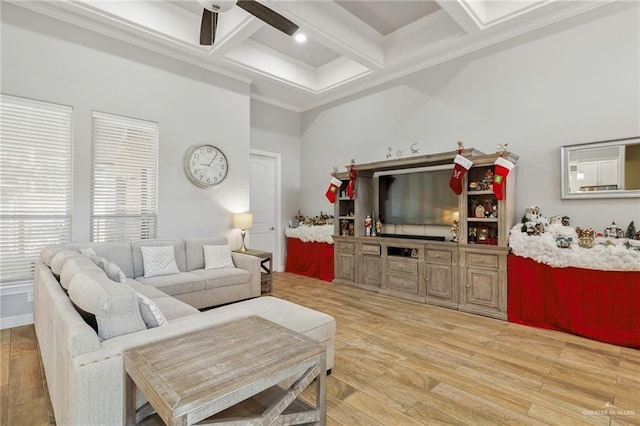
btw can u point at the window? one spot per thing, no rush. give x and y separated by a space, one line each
124 178
35 183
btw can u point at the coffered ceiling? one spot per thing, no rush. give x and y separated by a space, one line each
351 45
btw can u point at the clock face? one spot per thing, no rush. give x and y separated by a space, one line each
205 165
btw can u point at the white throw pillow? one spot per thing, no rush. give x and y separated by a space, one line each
110 268
151 314
89 251
216 257
158 261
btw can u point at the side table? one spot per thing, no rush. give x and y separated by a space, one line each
265 264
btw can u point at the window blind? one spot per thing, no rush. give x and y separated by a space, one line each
35 183
124 178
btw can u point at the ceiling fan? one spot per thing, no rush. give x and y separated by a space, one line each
213 7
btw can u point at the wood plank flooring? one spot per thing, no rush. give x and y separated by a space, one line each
404 363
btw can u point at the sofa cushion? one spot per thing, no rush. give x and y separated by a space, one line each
138 265
58 260
151 314
194 252
74 266
216 257
223 277
184 282
173 308
149 291
47 253
159 261
116 251
114 305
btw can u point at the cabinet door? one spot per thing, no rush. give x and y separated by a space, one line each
439 282
480 288
608 172
345 266
372 270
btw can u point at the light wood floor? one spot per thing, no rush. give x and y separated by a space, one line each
403 363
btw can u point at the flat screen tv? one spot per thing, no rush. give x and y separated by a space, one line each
417 198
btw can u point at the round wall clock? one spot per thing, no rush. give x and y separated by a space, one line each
205 165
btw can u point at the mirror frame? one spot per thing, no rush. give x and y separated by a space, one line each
564 170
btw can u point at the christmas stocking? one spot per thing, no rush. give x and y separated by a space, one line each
334 186
353 175
502 169
460 167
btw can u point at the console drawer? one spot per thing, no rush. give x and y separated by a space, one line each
346 247
403 266
402 283
440 256
371 249
482 260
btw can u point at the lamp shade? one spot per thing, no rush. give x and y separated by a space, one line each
243 220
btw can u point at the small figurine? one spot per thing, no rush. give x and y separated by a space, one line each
389 154
344 227
378 227
368 224
454 230
565 221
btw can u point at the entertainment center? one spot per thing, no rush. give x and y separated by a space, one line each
469 274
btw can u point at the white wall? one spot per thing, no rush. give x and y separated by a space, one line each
53 61
537 92
277 130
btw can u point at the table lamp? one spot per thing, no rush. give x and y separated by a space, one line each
243 221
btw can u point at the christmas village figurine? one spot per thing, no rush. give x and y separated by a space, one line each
613 231
585 237
631 231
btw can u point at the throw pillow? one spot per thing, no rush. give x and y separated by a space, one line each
151 314
216 257
158 261
112 270
89 251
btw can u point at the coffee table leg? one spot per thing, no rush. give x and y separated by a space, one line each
129 400
321 390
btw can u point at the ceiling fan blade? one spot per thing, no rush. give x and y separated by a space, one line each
208 27
269 16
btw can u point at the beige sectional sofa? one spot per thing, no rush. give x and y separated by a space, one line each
83 365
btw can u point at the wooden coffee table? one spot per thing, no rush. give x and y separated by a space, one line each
229 371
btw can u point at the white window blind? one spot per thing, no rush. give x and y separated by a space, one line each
35 183
124 178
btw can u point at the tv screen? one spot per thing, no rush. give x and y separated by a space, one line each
417 198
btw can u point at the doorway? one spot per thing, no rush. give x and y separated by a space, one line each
264 199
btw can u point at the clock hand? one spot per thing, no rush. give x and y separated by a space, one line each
214 157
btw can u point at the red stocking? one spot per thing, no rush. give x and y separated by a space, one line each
460 167
502 169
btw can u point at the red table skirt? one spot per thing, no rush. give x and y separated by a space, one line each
601 305
310 259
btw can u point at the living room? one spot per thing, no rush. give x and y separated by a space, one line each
570 82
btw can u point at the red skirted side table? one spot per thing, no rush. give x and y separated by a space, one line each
601 305
311 259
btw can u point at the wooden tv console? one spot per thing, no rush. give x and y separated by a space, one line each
467 275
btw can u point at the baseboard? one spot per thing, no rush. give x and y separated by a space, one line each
16 321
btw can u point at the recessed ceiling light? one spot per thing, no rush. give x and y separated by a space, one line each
300 37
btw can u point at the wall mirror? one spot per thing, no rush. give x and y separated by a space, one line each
606 169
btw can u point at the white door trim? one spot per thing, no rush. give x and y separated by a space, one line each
278 263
